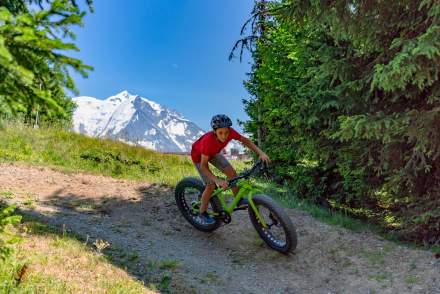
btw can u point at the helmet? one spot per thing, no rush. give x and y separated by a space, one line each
220 121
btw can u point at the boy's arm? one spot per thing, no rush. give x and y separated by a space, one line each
248 143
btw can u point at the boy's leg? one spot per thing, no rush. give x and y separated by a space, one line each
206 196
209 188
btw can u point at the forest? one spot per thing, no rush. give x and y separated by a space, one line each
345 99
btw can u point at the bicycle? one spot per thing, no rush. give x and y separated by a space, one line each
265 214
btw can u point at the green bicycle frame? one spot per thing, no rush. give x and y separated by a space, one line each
246 190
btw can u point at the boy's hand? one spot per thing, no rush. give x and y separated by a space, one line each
222 183
264 157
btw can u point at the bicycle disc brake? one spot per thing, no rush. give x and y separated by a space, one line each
274 220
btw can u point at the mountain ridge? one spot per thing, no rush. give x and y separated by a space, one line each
136 120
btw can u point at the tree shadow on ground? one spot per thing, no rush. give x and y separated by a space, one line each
99 218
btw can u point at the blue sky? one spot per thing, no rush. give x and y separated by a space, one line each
174 52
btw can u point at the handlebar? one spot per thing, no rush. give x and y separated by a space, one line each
259 164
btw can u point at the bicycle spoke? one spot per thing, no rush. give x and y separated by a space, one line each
192 201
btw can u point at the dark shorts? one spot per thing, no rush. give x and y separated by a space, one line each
219 161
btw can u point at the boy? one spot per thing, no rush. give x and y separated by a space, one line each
207 149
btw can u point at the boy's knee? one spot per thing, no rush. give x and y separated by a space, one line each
230 172
210 187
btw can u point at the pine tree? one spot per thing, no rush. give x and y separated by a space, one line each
350 95
34 72
257 23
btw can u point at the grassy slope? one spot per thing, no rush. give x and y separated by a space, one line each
73 152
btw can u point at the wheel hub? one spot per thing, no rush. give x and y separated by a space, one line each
226 217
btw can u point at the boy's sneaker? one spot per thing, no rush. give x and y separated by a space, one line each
206 219
243 203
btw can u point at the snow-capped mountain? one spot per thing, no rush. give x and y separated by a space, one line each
135 120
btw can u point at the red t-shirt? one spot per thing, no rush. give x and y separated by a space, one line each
209 145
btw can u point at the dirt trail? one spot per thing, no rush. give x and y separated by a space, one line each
143 218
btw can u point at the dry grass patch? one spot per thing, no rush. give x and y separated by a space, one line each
57 264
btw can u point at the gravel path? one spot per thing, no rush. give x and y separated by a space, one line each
143 218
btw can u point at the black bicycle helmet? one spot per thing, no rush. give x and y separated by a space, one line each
220 121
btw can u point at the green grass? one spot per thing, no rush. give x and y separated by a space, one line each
73 152
381 277
287 199
6 194
374 257
157 274
411 280
165 264
210 277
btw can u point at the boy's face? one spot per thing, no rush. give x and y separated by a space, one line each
222 134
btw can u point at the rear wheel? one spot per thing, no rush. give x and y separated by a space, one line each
280 233
188 193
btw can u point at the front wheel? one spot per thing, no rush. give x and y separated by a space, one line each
280 233
188 193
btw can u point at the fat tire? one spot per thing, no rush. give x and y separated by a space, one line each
191 182
289 228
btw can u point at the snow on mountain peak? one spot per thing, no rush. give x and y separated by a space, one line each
154 105
118 98
135 119
124 93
